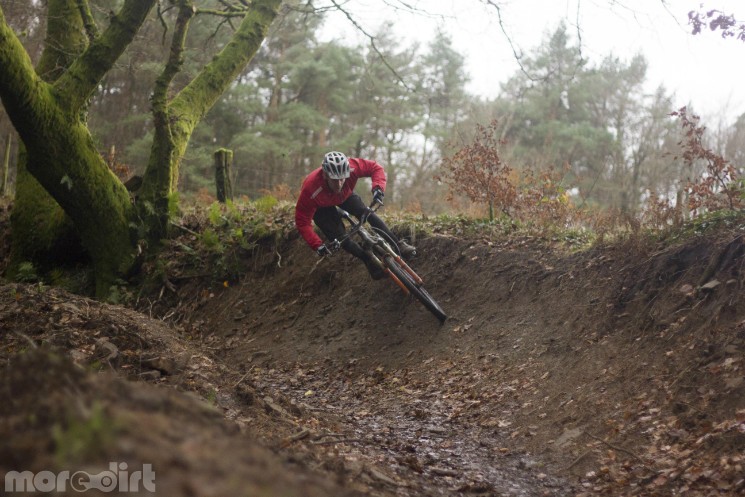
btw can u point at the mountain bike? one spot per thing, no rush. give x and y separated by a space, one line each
381 250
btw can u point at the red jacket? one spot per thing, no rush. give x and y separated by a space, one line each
315 193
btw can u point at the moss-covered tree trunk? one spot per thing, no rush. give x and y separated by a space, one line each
6 165
43 234
175 120
59 155
48 108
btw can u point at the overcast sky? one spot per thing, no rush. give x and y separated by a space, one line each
704 70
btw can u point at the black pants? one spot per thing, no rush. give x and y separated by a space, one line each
330 222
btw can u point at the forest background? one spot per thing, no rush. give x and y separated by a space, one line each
608 142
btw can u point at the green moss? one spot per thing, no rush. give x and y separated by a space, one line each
211 241
265 204
79 439
69 205
26 272
215 215
42 233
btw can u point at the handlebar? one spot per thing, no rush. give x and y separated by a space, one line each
335 244
363 219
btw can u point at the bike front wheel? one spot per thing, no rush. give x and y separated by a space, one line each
417 290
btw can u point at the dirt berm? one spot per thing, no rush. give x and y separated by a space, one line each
616 370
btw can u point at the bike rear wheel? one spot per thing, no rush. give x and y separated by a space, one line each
416 290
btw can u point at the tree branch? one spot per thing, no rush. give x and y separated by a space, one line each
176 120
579 32
78 84
20 86
163 22
372 44
90 24
232 7
201 93
160 178
175 57
516 56
222 13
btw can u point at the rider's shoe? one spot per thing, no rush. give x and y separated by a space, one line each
406 249
376 272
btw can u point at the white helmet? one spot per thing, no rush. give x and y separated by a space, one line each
336 165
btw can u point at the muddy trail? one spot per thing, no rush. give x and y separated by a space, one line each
611 371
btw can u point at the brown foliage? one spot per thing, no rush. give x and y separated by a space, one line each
719 187
658 213
120 169
477 171
542 197
204 197
280 192
717 20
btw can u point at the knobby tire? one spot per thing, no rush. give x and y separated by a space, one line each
416 290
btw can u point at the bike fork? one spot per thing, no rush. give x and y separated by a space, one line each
397 281
389 273
406 268
415 277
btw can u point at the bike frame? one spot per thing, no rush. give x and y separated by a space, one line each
373 241
382 253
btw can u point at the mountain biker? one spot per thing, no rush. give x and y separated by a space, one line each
332 185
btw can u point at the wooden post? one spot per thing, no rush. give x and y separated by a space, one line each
223 182
6 166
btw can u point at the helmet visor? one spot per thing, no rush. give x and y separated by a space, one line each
335 173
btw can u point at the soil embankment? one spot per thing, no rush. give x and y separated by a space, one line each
617 371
